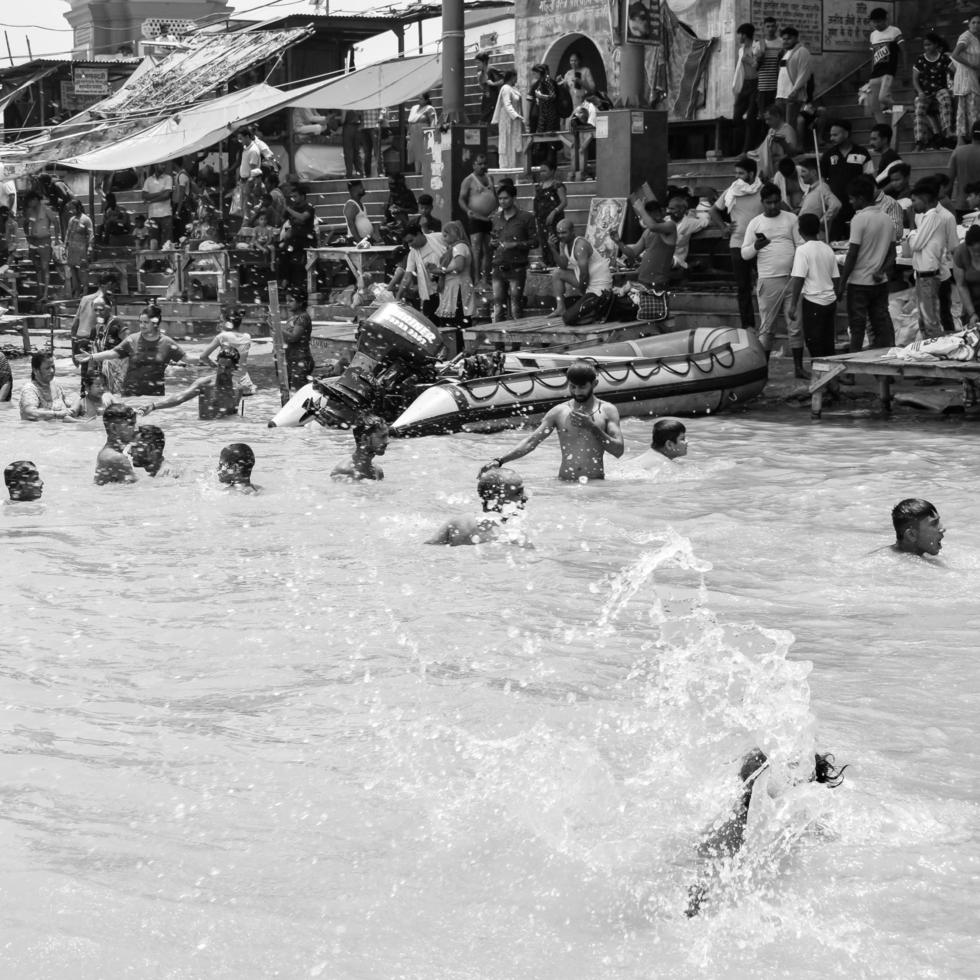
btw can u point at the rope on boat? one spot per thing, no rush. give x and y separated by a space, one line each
716 357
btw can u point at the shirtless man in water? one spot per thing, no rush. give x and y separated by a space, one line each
503 496
370 440
918 528
587 428
217 396
113 465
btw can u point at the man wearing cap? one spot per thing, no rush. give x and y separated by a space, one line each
217 396
502 493
587 429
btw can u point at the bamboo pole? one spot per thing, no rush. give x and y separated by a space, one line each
278 345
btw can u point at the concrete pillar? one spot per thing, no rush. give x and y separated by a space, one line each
632 75
452 62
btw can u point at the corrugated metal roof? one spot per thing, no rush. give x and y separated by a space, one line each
202 65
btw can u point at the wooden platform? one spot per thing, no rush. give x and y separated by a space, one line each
550 331
873 364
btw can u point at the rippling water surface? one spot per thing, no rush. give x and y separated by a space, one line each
276 736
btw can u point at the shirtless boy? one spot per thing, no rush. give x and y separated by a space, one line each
147 452
502 493
113 465
235 467
587 428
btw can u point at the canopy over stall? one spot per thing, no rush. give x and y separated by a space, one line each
206 124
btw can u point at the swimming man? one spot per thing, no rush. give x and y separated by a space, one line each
587 428
918 528
668 441
147 452
23 481
503 496
370 440
235 467
113 465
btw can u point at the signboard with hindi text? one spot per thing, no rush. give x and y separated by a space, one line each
804 15
824 25
845 24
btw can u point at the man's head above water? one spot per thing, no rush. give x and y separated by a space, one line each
918 527
23 480
499 487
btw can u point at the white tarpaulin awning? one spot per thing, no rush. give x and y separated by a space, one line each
185 132
377 86
384 84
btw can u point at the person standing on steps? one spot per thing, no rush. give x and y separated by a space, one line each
742 203
966 83
887 51
478 199
930 79
772 239
770 53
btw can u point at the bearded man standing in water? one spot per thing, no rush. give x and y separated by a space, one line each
587 428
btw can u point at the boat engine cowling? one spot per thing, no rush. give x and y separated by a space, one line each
394 344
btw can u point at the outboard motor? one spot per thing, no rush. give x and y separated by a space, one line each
394 346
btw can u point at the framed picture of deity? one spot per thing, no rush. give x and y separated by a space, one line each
606 214
640 20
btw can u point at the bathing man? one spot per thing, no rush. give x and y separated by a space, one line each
113 465
370 440
668 441
918 528
502 493
587 428
23 481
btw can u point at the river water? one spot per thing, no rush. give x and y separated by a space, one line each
277 736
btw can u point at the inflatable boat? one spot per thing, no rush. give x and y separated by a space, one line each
694 372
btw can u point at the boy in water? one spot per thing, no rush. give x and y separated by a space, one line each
217 396
147 452
113 465
23 481
503 496
587 428
918 528
668 441
235 467
370 440
724 841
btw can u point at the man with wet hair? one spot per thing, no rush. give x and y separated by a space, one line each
113 465
235 467
147 452
587 428
370 440
502 492
217 396
918 527
668 441
23 481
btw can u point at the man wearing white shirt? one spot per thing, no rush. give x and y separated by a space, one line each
932 242
424 253
814 274
772 238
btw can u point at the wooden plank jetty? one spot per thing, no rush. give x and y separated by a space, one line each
874 364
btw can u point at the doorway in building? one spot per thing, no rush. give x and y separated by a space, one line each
559 59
